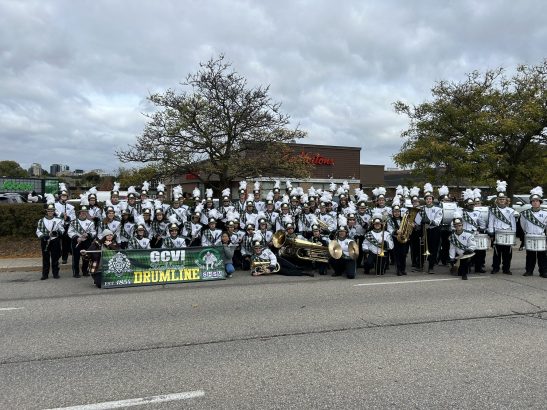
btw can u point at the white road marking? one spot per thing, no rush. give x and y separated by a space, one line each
136 402
11 308
415 281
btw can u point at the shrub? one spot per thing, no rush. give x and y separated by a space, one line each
20 219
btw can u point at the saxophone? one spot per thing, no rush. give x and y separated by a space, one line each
407 225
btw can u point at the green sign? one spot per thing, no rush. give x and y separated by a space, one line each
125 268
16 186
51 186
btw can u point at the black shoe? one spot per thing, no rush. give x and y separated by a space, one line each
56 277
430 271
464 277
527 274
399 273
507 272
43 278
310 274
480 270
85 274
336 274
64 261
76 275
403 273
493 272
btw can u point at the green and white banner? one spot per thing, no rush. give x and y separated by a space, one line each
125 268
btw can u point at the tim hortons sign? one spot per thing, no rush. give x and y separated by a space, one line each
316 159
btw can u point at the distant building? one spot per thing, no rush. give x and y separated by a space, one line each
35 170
54 169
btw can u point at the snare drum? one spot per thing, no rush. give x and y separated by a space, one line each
505 238
535 243
481 240
448 212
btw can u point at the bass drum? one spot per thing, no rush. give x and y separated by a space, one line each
449 208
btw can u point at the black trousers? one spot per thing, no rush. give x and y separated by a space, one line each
463 269
77 247
479 259
400 251
66 246
51 252
540 257
289 268
343 266
502 256
376 264
433 242
416 248
444 245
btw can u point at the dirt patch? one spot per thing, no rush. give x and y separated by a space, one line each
14 247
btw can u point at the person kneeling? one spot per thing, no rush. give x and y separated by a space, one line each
94 252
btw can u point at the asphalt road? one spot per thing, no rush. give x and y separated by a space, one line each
421 341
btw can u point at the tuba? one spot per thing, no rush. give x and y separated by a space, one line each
260 267
303 249
407 225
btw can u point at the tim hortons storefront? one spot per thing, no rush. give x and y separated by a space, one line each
330 164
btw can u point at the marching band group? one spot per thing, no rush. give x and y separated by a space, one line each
293 232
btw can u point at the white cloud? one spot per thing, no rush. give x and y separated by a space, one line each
74 75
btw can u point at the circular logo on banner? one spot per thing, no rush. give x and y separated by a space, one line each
119 264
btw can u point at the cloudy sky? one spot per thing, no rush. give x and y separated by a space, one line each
74 75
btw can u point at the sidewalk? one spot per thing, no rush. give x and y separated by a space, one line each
20 264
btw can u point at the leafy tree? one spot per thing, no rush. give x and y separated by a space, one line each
12 169
137 176
219 130
485 128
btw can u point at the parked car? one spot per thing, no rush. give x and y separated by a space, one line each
12 198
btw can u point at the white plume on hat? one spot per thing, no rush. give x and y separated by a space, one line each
326 197
173 219
226 192
147 204
139 220
304 198
214 213
177 191
350 209
242 185
332 187
362 197
443 190
285 199
131 190
468 194
208 193
396 201
428 188
399 190
311 191
340 191
501 186
313 220
145 186
277 183
83 200
160 187
357 191
300 191
294 192
157 204
269 196
230 214
198 208
116 186
250 197
92 190
62 186
287 219
345 185
379 191
196 192
537 191
257 236
257 186
406 191
288 184
342 220
414 191
50 199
